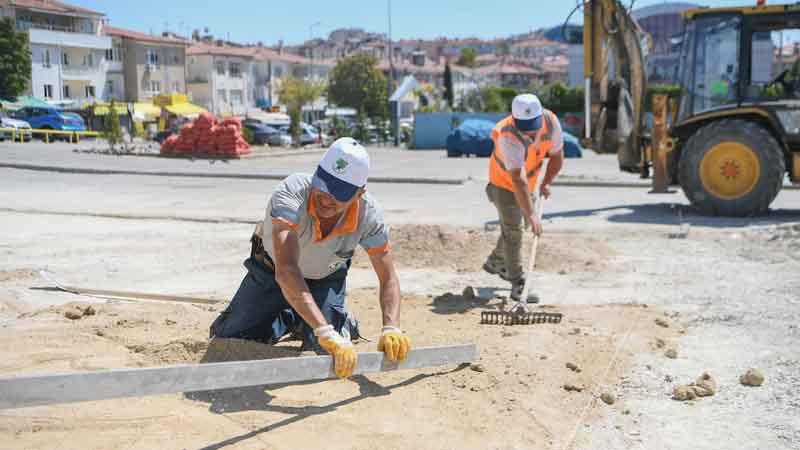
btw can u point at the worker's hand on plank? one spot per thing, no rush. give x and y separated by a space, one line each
394 344
535 223
342 350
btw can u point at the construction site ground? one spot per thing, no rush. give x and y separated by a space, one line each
617 262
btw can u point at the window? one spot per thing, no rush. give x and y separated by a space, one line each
222 95
176 59
152 57
236 97
110 88
88 60
89 92
114 54
48 91
220 67
65 58
236 70
278 71
716 66
66 92
46 57
155 86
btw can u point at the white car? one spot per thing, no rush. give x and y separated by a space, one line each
19 125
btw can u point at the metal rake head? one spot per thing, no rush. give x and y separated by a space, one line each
518 318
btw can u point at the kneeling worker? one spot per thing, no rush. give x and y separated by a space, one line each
300 257
521 143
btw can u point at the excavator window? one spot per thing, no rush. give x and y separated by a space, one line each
715 63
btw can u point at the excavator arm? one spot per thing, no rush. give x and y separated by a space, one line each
616 82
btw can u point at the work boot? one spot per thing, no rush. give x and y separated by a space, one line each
495 268
516 291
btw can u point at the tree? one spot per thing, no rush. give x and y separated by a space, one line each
467 58
15 60
489 99
294 93
113 132
448 85
356 82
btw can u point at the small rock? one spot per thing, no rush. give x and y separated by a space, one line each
509 333
89 311
671 353
575 331
626 412
660 343
468 293
668 378
477 368
662 323
753 377
543 357
683 393
36 428
562 272
573 388
474 389
608 398
707 385
73 314
169 322
100 333
573 367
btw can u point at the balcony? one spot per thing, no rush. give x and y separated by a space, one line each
79 72
69 39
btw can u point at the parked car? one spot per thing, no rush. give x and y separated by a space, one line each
50 118
310 135
268 134
19 125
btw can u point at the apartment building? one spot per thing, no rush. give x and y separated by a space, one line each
68 49
144 66
220 78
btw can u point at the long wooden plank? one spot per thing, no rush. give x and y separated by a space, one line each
36 390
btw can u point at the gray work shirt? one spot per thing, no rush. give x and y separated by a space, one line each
362 224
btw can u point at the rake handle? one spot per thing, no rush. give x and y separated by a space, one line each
532 260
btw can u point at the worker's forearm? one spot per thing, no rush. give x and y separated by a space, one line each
523 196
554 165
390 301
299 297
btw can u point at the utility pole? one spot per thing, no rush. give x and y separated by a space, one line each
311 63
391 52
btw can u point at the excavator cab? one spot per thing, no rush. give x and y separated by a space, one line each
733 133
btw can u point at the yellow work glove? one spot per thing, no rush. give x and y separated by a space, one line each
394 344
342 350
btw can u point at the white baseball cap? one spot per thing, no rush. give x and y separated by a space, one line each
527 112
343 170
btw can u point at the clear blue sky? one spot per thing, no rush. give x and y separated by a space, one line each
271 20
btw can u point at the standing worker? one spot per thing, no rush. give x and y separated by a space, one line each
521 143
300 257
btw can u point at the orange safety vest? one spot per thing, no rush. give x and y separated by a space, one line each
534 154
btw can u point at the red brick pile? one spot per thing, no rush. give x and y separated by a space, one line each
208 136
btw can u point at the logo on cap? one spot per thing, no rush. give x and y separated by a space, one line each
527 111
340 165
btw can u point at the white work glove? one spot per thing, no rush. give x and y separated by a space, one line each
342 350
394 343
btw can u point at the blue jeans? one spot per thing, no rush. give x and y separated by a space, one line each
260 312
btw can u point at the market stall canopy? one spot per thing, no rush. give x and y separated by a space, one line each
185 109
146 111
101 109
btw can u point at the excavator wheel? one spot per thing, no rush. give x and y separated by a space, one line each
732 167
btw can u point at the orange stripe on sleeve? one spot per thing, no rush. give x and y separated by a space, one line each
379 250
291 225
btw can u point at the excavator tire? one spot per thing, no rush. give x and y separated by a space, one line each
732 167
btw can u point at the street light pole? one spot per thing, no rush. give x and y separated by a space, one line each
311 62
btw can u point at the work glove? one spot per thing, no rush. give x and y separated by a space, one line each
394 344
342 350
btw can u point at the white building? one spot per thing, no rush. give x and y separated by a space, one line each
68 49
221 78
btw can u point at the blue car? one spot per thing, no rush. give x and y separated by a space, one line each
49 118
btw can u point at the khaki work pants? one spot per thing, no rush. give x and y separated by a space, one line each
508 250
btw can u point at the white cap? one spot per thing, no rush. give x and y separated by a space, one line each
343 170
527 112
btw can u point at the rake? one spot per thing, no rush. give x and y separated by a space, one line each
520 313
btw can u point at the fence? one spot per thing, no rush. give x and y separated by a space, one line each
431 129
74 137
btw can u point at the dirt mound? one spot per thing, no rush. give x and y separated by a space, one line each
466 249
180 351
223 350
17 274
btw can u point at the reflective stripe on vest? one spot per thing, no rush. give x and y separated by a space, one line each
534 155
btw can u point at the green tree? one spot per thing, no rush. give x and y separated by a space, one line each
113 129
15 60
488 99
467 58
294 93
357 82
448 85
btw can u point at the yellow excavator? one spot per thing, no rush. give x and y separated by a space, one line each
728 139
